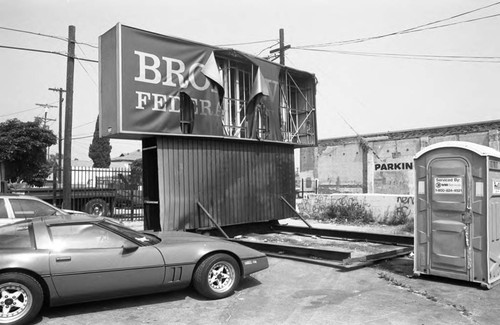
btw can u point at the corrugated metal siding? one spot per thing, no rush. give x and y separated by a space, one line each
236 181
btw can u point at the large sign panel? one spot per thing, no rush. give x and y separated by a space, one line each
150 72
152 84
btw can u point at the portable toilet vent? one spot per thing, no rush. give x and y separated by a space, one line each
457 220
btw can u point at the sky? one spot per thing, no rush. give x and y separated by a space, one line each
388 80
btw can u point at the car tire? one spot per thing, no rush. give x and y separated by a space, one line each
21 300
217 276
97 207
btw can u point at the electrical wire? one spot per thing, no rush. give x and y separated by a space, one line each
404 31
83 67
454 58
33 33
45 51
23 111
268 48
79 126
46 35
80 137
248 43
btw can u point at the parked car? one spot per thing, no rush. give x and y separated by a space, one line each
14 207
66 259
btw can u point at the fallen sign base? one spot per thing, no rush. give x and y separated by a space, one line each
343 253
332 247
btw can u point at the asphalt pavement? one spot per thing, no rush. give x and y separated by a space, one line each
292 292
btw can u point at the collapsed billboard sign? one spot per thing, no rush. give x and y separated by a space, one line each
152 84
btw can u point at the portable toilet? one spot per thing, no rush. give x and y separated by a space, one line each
457 219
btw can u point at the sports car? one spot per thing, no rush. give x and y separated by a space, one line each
66 259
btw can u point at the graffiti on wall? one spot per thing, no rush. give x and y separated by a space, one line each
403 208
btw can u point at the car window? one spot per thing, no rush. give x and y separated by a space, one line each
143 238
17 236
25 208
84 236
3 210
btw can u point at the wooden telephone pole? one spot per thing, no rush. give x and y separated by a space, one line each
59 147
45 119
282 47
68 125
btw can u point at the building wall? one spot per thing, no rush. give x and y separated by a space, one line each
382 163
340 168
391 166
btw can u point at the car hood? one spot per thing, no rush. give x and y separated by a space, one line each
183 237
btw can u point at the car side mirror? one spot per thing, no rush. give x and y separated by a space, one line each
129 248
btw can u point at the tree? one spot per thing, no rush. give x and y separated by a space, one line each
136 172
100 149
23 151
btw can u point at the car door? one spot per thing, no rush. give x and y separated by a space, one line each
91 262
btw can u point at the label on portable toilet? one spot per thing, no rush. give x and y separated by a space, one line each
496 186
448 185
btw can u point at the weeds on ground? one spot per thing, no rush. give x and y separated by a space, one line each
399 218
347 211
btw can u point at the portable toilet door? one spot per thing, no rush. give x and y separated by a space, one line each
452 221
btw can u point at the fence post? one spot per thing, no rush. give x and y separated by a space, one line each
54 184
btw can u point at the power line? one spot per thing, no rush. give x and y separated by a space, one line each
453 58
404 31
83 67
276 43
455 23
248 43
47 52
34 33
26 110
46 35
76 127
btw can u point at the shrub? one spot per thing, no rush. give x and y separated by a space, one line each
348 210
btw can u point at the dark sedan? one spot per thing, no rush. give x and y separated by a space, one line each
60 260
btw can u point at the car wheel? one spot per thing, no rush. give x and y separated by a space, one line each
217 276
21 298
97 207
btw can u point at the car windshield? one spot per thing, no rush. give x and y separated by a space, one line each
145 239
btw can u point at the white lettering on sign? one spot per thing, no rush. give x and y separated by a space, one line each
160 103
149 71
448 185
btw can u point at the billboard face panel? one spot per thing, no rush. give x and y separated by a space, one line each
153 71
153 85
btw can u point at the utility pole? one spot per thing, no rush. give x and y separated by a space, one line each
68 125
59 147
282 47
45 119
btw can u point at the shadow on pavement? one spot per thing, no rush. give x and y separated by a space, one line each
131 302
